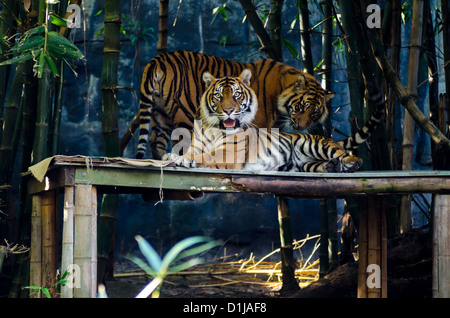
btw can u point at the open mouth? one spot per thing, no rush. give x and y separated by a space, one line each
229 123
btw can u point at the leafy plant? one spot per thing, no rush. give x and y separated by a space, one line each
172 262
61 281
44 46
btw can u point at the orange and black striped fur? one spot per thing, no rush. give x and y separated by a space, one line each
249 148
172 87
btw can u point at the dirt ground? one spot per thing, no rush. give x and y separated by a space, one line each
409 276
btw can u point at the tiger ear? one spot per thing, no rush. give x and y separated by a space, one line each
245 76
208 78
300 84
329 95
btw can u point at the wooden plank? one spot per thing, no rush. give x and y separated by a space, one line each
85 240
36 244
67 262
441 247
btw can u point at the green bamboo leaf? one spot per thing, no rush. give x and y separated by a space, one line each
46 292
57 20
150 253
59 46
32 287
175 251
39 68
20 58
36 30
52 65
143 265
31 43
197 250
188 264
99 32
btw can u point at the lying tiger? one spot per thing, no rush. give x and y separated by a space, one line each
229 100
171 92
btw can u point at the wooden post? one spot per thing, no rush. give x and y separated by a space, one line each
68 243
85 247
441 247
288 263
49 263
36 244
372 266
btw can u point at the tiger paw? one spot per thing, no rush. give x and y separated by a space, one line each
333 165
180 161
351 163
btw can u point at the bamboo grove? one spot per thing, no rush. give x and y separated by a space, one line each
34 48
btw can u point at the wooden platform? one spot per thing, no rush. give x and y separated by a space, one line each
81 178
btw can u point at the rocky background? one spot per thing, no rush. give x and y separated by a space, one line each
248 223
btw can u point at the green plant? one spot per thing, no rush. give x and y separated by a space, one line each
44 46
172 262
60 281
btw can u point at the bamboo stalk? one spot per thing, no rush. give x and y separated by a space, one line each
7 29
36 244
266 44
276 7
405 99
362 249
162 26
85 247
49 241
409 124
373 241
110 128
287 256
441 247
305 38
68 240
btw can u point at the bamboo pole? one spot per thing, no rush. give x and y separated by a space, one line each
110 128
266 44
305 38
441 247
445 9
68 241
405 99
85 239
362 250
287 255
49 241
373 241
409 124
7 29
274 24
162 26
36 244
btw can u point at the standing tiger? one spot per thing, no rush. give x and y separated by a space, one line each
171 90
218 142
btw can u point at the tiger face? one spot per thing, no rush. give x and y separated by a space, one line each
302 103
228 102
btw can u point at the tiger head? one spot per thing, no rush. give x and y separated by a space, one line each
228 102
303 102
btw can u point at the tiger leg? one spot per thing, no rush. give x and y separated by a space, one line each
144 127
161 134
351 163
333 165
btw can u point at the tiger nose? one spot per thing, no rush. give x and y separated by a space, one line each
228 110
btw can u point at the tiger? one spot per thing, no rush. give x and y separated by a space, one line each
170 95
260 149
